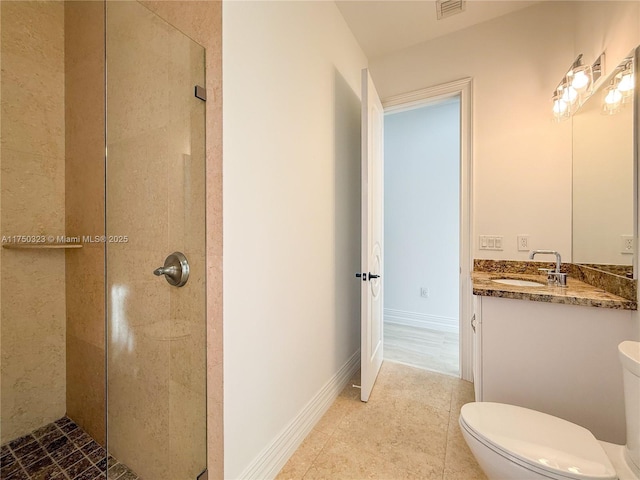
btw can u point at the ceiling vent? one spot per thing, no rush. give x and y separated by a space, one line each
446 8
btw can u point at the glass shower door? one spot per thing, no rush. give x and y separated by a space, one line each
155 184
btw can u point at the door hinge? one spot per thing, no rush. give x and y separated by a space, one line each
473 323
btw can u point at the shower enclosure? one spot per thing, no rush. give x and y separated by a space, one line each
102 155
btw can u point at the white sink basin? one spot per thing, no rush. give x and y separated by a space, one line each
518 283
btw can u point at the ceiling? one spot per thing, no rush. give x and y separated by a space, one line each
385 26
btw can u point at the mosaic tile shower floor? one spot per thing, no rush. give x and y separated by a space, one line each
59 451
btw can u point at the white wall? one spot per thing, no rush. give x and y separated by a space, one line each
422 214
522 160
291 73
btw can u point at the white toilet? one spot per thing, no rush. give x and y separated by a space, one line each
517 443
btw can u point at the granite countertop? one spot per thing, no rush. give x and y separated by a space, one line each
575 293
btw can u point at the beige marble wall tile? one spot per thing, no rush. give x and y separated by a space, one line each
85 301
32 143
202 21
138 180
130 86
187 437
156 192
35 31
33 77
86 386
85 194
84 123
33 340
34 118
138 402
85 189
33 189
215 432
189 339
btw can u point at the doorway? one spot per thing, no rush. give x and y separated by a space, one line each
454 96
422 235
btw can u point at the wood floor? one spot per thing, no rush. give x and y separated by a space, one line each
422 348
408 430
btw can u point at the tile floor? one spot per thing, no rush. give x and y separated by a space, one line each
422 347
62 451
408 430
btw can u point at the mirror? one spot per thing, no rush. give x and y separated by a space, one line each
604 202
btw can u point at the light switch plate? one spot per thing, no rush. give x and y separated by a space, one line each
490 242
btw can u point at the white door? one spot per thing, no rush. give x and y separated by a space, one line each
372 222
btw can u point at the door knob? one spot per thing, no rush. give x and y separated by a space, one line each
175 269
364 276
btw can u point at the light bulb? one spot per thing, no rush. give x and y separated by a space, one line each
613 96
570 94
626 83
560 107
612 100
580 80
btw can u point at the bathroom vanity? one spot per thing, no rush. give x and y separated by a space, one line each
559 359
550 348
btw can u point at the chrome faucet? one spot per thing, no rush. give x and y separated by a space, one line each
553 277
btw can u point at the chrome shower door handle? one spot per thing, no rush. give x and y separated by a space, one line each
175 269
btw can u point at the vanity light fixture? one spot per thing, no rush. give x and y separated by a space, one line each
560 106
620 90
579 77
612 99
576 86
626 82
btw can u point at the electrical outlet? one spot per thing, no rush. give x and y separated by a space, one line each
424 292
523 243
627 244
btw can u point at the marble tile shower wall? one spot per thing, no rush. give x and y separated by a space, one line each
84 203
33 193
63 64
202 21
52 183
155 184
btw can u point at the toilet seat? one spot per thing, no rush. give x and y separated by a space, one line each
539 442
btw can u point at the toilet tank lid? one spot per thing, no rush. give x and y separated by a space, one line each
543 441
630 356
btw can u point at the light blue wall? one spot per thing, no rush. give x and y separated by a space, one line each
421 226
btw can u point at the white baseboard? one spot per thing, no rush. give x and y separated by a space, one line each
271 460
421 320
